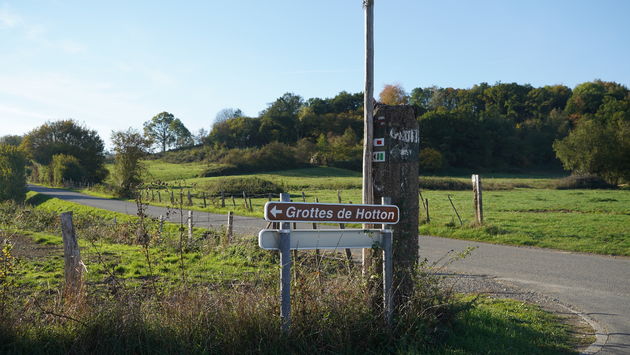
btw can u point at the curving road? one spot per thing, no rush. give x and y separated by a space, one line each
597 287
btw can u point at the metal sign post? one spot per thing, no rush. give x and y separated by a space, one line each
284 240
386 243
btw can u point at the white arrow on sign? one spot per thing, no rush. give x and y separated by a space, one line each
274 211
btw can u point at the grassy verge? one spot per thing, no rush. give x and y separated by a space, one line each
509 327
155 296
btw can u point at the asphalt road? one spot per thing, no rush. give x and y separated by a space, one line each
597 287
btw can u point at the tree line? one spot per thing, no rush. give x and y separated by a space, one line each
500 127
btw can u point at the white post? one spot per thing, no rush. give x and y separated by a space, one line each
230 227
477 200
190 227
285 271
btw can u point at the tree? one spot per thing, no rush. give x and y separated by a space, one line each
10 139
279 121
129 147
167 131
420 98
12 173
227 113
201 135
393 95
599 148
70 138
65 167
238 132
586 98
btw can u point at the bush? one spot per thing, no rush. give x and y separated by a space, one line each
355 165
233 186
186 155
12 173
430 160
583 182
220 170
443 184
273 156
66 167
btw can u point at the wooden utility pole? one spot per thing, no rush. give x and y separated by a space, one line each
368 107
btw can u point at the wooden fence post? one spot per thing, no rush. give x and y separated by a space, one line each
222 199
159 196
204 199
455 209
161 227
172 197
230 228
477 200
190 227
189 198
426 205
233 201
245 200
73 266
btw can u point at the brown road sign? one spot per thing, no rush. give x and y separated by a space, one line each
328 212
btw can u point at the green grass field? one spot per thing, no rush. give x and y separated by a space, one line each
518 209
211 296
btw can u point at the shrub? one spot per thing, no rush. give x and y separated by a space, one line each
220 170
186 155
583 182
443 184
130 146
66 167
273 156
67 137
251 186
430 160
12 173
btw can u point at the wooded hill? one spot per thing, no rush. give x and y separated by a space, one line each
500 127
506 127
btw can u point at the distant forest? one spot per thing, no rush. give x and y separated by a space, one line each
500 127
505 127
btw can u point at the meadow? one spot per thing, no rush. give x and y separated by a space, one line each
524 210
148 292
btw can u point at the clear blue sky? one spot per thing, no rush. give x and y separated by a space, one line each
115 64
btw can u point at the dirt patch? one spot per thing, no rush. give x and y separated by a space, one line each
25 248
